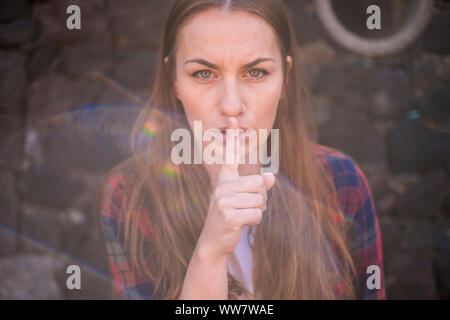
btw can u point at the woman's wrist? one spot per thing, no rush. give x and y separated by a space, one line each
205 255
206 277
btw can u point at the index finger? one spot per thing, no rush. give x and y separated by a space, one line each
229 169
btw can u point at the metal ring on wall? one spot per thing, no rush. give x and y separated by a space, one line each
374 47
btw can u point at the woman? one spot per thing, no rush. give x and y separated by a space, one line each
218 231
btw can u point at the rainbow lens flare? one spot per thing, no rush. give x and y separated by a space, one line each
150 128
170 170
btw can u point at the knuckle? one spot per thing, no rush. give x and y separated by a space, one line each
221 202
260 200
258 215
259 180
228 217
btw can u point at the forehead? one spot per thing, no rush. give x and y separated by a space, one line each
231 35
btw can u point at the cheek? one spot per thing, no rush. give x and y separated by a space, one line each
197 105
266 105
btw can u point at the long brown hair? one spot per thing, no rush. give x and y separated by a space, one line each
300 249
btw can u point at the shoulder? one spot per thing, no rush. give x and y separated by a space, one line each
114 204
113 191
348 178
337 162
357 205
122 174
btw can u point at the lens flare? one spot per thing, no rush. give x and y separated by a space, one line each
169 170
150 129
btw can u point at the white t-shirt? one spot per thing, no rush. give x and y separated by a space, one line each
239 263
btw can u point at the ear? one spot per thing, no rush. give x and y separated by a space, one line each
289 61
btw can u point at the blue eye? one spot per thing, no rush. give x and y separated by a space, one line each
254 74
202 72
262 73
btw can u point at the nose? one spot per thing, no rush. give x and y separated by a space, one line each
231 102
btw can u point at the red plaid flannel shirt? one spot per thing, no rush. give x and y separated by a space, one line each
355 199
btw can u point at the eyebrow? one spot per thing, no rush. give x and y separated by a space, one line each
214 66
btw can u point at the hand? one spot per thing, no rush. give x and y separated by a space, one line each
235 202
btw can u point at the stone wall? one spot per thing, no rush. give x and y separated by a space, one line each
389 114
